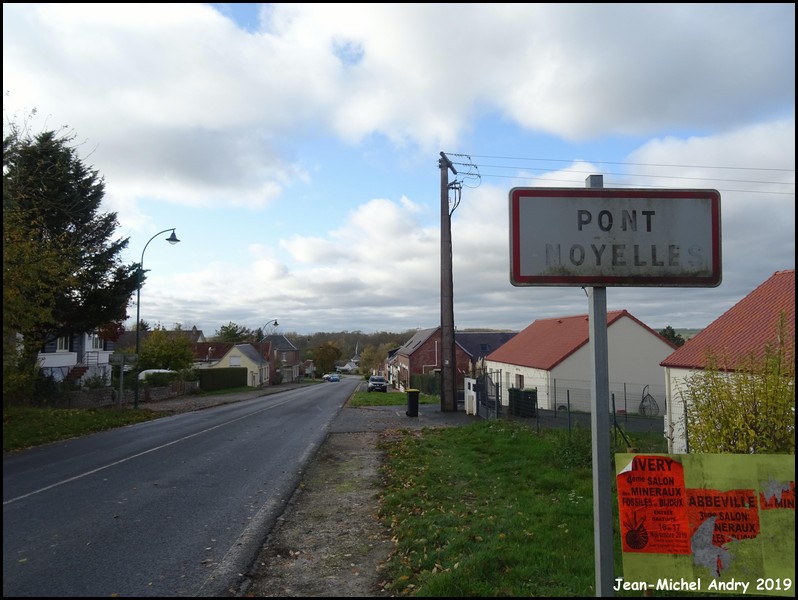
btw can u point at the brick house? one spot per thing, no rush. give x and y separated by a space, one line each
421 354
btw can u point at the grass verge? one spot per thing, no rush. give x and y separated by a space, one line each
496 508
490 509
27 426
389 398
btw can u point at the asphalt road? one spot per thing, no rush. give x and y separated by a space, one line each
172 507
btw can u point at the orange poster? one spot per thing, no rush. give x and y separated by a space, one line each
653 506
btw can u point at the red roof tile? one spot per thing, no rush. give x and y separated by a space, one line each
211 350
548 342
747 327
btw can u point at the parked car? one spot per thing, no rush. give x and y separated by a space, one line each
377 383
147 372
334 377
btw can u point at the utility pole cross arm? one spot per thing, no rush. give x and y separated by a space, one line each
447 163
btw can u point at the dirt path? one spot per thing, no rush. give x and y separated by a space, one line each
329 541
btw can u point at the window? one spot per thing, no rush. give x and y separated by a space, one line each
235 361
519 382
62 345
96 342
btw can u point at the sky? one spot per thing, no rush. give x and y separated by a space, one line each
295 148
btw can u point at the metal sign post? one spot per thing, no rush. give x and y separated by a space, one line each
122 360
600 435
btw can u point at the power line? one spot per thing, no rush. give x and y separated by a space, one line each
644 175
630 175
569 181
602 162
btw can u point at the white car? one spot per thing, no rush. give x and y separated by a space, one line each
144 373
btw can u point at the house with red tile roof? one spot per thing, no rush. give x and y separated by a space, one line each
553 356
745 329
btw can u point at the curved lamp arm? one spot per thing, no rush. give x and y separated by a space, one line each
172 239
263 328
262 336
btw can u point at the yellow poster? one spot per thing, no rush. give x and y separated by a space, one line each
707 523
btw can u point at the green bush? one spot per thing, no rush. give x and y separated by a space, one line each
94 383
47 391
160 379
189 375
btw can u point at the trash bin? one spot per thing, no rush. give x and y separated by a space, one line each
412 403
514 402
529 403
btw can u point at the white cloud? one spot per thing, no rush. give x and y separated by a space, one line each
298 151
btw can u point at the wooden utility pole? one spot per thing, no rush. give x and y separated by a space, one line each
448 362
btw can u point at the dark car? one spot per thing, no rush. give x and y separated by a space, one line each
377 383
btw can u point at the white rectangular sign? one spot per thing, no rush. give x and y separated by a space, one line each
614 237
121 359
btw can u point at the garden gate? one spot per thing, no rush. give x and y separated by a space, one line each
489 394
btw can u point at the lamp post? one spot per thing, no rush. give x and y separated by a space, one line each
260 368
172 239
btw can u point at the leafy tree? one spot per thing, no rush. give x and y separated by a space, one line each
62 271
233 333
373 357
747 408
369 359
31 274
325 357
669 333
159 350
111 331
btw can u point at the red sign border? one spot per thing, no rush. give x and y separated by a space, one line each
601 281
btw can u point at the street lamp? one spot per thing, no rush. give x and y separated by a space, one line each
260 368
172 239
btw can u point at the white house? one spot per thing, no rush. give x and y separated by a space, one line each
77 358
747 327
553 356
